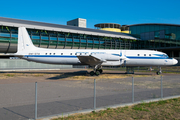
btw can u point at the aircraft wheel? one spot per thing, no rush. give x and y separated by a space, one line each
97 73
100 70
92 73
158 72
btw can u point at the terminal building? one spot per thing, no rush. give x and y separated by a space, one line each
112 27
75 35
163 37
55 36
47 35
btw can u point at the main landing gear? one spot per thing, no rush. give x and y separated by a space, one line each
159 71
97 71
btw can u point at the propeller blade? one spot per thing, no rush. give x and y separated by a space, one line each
124 63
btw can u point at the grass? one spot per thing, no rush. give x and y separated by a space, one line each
161 110
9 75
165 69
65 76
103 76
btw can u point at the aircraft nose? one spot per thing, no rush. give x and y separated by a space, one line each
175 61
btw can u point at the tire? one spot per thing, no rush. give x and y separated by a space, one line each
97 73
92 73
100 70
158 72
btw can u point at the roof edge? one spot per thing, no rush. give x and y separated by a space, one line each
155 24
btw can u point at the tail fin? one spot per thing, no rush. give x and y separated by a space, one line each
24 41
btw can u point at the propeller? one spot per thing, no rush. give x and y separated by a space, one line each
123 58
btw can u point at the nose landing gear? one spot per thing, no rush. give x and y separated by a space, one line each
159 71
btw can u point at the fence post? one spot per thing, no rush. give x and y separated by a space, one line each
161 88
35 101
132 89
94 94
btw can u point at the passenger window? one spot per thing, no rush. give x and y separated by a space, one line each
61 53
80 53
149 54
54 53
46 53
71 54
75 53
138 55
50 53
144 54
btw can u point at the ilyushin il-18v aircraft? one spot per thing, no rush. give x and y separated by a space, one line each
95 58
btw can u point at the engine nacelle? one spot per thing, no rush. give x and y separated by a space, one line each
107 57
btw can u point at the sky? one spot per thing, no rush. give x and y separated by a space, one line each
124 12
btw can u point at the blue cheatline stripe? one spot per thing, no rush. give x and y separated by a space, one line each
73 56
132 57
161 55
65 56
145 57
116 54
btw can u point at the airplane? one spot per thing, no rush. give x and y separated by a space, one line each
95 58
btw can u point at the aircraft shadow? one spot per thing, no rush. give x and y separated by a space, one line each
87 73
61 74
70 74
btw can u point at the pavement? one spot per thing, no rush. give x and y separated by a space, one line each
60 96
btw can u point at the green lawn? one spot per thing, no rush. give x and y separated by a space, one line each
162 110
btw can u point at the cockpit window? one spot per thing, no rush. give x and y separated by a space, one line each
165 56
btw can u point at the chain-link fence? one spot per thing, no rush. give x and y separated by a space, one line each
18 100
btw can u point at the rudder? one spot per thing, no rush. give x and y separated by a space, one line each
24 41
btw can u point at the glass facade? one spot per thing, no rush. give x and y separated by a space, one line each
52 39
162 37
152 37
155 31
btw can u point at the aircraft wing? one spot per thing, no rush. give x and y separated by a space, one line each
90 60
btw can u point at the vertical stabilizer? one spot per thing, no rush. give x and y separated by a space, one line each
24 41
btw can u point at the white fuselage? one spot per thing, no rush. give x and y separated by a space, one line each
26 50
110 57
